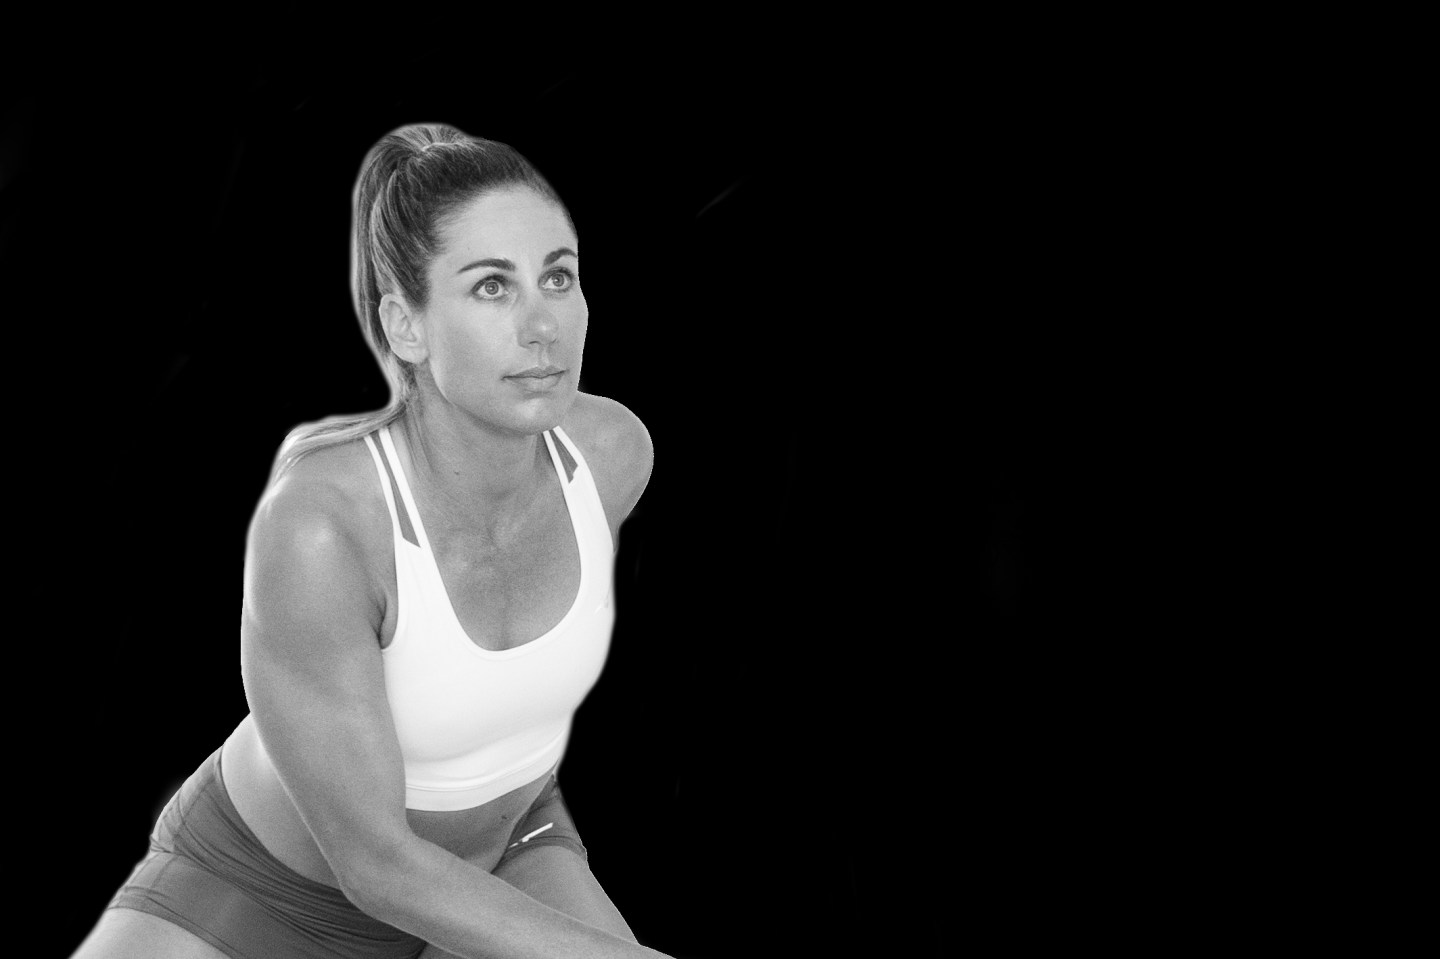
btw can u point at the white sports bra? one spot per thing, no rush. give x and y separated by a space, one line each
475 723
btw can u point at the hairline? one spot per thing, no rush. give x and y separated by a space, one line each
454 211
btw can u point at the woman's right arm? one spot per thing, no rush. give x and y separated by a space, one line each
311 661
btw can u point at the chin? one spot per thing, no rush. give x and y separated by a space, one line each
537 416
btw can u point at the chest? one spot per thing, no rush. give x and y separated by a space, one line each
512 588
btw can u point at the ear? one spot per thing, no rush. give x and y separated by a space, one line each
403 329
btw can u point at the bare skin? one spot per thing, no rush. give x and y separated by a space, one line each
543 564
315 770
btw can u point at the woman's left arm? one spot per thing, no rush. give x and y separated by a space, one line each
561 879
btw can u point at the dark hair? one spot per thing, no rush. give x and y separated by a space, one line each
412 180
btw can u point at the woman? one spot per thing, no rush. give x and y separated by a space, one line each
427 601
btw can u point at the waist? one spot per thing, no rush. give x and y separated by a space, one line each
478 833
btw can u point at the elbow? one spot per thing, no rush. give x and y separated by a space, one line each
370 873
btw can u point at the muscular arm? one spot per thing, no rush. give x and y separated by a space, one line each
313 676
561 879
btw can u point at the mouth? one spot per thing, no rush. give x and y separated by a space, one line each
536 372
538 379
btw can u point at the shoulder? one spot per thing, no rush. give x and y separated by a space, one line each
617 447
324 492
322 521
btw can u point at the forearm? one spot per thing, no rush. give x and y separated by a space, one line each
459 907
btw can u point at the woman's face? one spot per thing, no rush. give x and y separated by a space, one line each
505 325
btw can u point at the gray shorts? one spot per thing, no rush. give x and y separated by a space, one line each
208 873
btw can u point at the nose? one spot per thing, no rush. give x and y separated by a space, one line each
539 325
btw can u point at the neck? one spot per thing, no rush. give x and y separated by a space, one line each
477 475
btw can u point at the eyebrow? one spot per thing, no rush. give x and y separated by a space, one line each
504 264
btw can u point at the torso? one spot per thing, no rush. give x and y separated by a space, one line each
504 594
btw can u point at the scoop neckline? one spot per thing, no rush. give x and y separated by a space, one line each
461 633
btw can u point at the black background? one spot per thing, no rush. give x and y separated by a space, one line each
830 302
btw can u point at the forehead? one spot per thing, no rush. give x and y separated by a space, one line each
514 223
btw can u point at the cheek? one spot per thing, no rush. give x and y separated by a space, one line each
579 321
460 355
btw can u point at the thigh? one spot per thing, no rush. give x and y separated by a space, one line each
559 878
128 934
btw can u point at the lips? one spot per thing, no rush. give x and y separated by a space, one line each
538 380
536 372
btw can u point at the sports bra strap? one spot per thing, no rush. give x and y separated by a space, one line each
563 445
391 489
397 491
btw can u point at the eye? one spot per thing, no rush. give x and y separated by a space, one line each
490 288
559 280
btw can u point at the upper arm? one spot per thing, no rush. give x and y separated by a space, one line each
313 675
